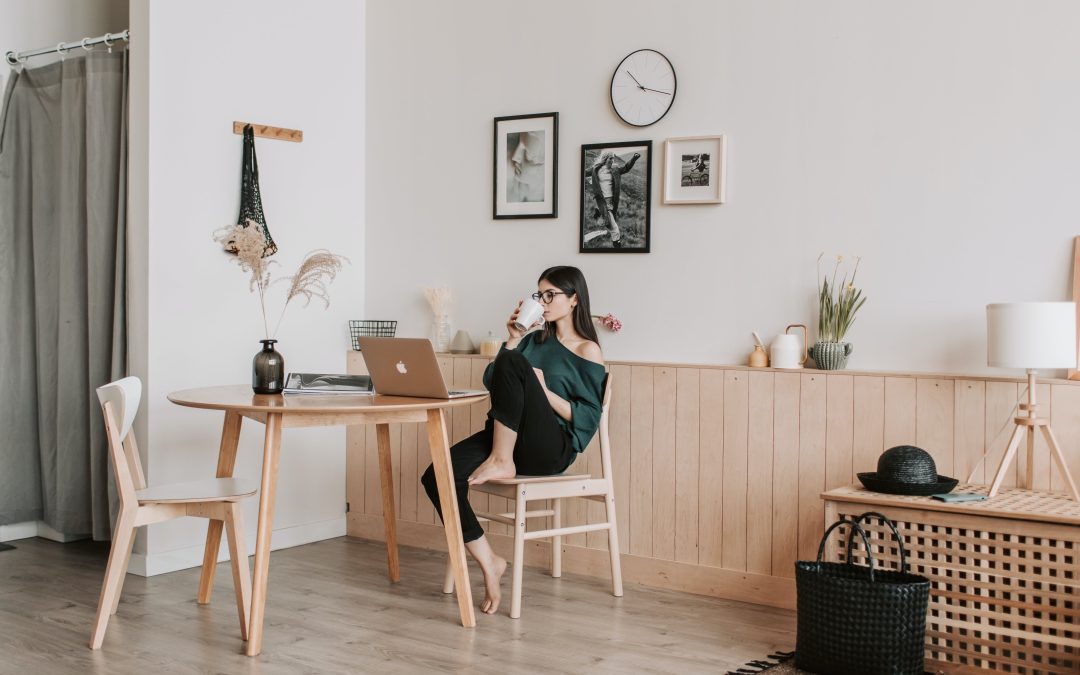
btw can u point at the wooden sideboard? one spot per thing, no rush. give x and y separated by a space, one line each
719 470
1004 573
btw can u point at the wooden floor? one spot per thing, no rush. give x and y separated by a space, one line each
332 610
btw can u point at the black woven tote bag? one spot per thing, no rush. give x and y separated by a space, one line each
251 208
855 620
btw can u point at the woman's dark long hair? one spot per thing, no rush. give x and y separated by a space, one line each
571 281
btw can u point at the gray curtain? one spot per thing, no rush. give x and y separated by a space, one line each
63 179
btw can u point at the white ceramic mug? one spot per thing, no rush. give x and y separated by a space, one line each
529 313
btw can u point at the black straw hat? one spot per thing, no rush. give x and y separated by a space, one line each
907 470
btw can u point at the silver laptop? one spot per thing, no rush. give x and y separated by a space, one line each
407 367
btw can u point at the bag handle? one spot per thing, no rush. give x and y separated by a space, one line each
896 537
251 160
249 173
854 524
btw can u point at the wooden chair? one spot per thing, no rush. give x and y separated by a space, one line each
216 498
523 489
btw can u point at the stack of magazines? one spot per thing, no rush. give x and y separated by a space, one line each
317 383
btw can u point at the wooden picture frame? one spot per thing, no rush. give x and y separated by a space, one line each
695 170
525 167
616 208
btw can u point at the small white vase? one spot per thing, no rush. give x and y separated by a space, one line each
440 333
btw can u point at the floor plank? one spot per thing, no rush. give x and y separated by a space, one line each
331 610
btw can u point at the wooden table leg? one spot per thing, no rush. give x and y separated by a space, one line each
440 458
386 473
230 437
267 496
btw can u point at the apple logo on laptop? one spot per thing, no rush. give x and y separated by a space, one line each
401 367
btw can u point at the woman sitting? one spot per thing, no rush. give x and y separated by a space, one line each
546 390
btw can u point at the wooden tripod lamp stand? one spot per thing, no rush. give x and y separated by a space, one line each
1032 335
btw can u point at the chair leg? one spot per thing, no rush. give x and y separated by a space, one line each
120 586
234 531
123 537
613 546
210 556
519 555
448 580
556 541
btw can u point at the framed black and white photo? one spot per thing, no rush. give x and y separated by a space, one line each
526 167
694 170
615 197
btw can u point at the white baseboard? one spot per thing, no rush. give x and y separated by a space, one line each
37 528
152 564
18 531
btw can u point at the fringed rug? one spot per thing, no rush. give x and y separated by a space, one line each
780 662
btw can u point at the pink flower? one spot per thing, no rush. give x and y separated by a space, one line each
609 322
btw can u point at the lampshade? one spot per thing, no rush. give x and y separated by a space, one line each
1031 335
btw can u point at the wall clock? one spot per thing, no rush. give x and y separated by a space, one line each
643 88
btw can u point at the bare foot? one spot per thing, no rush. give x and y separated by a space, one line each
491 470
491 584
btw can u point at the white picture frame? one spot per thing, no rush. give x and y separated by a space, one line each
695 170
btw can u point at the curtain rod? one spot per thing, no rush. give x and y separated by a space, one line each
15 59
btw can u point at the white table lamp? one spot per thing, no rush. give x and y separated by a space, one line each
1030 336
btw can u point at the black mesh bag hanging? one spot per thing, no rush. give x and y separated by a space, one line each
250 200
857 620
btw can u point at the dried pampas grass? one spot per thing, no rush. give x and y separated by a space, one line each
316 271
439 299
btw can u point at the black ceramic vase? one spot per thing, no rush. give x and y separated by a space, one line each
268 370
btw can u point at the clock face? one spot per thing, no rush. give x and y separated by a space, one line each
643 87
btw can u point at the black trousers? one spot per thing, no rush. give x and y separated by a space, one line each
518 401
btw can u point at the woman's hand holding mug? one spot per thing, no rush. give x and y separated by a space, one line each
528 315
511 325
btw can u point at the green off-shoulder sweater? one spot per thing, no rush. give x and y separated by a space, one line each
569 376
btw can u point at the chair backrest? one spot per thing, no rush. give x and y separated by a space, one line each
605 439
119 403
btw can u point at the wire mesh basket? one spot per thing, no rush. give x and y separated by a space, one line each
370 328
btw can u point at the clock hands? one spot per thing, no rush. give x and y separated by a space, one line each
643 87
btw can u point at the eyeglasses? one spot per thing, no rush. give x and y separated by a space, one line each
548 296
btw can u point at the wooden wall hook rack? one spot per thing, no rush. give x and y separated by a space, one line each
277 133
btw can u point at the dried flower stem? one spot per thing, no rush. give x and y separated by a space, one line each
439 299
316 271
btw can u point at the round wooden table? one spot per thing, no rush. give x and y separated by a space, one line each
303 410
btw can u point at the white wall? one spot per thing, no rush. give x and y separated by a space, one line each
32 24
939 141
199 66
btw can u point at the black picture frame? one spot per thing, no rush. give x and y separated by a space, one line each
635 230
517 195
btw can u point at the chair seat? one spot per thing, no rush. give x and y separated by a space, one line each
210 490
521 480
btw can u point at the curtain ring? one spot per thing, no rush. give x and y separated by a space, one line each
60 49
12 59
83 43
108 40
